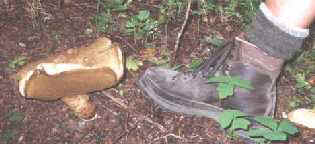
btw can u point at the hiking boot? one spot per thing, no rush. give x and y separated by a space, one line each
190 93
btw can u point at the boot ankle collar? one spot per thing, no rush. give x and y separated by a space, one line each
250 53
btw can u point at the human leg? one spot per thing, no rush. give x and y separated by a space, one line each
293 12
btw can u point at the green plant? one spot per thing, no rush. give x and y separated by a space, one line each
8 135
213 40
208 5
141 25
295 102
133 64
169 10
243 10
301 81
115 5
195 63
268 131
17 62
273 130
226 85
15 116
233 120
103 21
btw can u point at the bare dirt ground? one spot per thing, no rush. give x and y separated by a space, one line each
127 119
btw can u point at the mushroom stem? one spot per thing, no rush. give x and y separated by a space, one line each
81 105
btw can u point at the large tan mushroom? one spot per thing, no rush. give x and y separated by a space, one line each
305 117
72 74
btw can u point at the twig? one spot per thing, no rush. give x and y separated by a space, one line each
152 122
181 31
121 104
116 100
170 134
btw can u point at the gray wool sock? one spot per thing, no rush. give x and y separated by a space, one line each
274 36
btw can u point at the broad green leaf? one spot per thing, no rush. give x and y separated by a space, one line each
276 136
288 127
143 15
219 79
225 90
236 113
269 122
240 123
258 132
133 64
241 83
226 118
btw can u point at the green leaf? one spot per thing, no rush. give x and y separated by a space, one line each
8 135
143 15
235 81
288 127
16 62
195 63
16 116
133 64
240 123
269 122
276 136
258 132
131 23
150 26
225 90
241 83
219 79
226 118
237 113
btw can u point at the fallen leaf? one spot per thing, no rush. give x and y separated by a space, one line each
133 64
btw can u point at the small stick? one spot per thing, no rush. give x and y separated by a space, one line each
116 100
166 136
124 106
152 122
181 31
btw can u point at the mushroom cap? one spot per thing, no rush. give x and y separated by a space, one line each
75 71
305 117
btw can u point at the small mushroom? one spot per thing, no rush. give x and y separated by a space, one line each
305 117
72 74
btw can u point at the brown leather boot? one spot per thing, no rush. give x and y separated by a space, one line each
190 93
